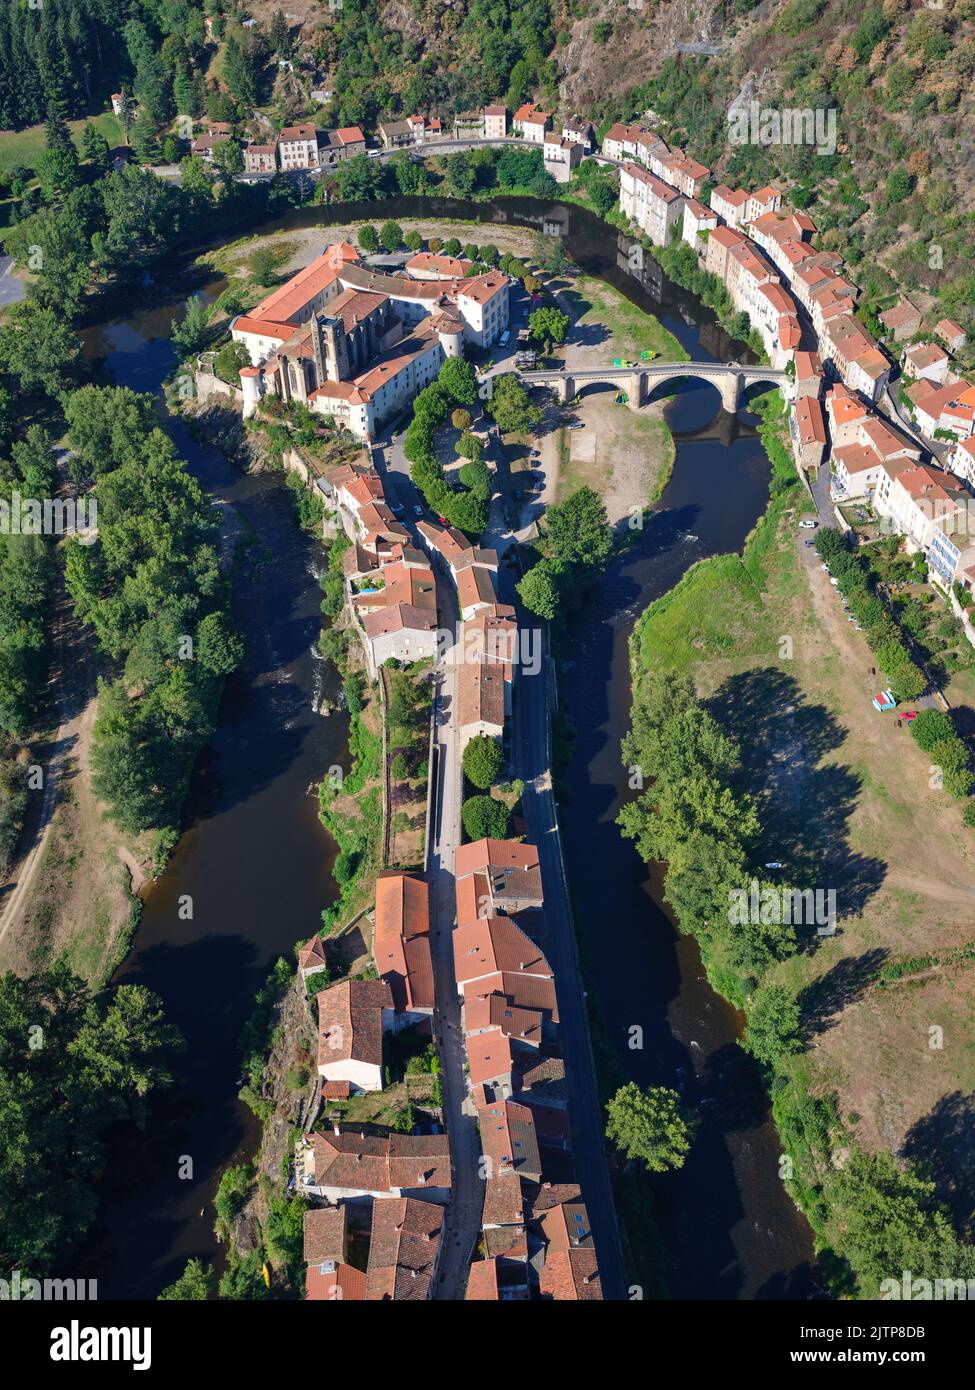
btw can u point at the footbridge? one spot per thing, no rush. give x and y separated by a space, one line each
640 380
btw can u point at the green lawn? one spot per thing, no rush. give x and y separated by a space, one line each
714 612
26 146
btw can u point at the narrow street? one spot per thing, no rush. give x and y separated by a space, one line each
463 1220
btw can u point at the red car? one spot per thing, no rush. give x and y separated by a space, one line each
909 714
443 521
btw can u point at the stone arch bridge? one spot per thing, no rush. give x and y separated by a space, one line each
639 381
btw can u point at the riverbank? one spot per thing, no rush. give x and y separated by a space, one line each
771 653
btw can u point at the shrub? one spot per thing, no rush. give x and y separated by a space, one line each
482 761
485 818
931 727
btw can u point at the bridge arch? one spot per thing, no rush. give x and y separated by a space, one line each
639 381
755 380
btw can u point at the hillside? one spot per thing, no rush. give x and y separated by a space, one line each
896 197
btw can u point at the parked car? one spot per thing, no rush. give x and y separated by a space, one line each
576 425
808 525
505 338
417 510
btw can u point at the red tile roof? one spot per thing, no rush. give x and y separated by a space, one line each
403 1249
402 939
350 1021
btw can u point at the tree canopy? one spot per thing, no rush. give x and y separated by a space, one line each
72 1063
647 1125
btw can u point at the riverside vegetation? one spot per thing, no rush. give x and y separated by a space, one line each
706 810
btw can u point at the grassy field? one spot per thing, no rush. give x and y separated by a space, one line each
623 329
845 793
26 146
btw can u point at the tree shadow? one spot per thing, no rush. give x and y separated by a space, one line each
943 1143
842 985
804 808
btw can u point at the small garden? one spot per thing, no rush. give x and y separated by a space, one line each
490 803
409 703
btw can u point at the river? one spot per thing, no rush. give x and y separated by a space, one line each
255 861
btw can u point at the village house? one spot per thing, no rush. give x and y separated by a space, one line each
653 205
698 221
346 1166
401 946
489 1064
312 958
809 374
560 156
918 498
531 123
298 147
473 574
404 1250
509 1140
338 145
679 170
204 145
808 429
505 872
396 134
926 361
845 410
629 142
328 1275
902 321
351 1018
414 130
961 461
504 1234
855 356
540 1081
259 159
949 409
570 1271
480 701
580 132
737 207
952 334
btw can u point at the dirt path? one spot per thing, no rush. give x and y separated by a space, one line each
71 888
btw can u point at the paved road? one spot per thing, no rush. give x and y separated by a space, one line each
462 1222
899 418
463 1217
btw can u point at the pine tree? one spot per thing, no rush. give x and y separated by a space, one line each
280 36
145 141
126 112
